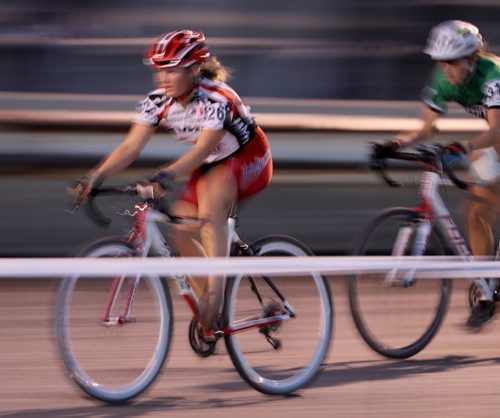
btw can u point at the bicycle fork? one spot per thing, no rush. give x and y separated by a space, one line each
113 300
142 247
421 230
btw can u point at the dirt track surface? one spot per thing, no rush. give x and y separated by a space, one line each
457 375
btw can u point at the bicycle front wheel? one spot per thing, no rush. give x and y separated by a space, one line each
113 340
397 319
283 356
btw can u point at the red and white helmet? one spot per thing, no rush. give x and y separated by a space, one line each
453 39
181 48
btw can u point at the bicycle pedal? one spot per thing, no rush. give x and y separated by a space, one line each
211 336
203 345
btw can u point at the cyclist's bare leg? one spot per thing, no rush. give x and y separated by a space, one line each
216 191
481 215
188 242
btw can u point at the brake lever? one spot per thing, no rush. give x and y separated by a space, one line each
448 169
72 208
453 177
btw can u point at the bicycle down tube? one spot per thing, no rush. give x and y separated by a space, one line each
434 207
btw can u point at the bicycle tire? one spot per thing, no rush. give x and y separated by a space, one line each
389 340
260 365
113 364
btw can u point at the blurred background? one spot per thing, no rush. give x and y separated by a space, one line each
327 49
320 57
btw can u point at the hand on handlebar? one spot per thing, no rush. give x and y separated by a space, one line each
386 148
453 154
82 190
162 181
456 148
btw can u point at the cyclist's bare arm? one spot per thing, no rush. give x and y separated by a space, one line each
490 137
428 119
127 152
120 158
194 158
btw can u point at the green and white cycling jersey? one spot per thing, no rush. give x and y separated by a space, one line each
481 93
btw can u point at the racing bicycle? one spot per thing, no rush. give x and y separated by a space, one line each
114 333
396 314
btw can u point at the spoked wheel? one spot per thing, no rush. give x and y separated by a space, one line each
201 345
110 355
286 352
396 319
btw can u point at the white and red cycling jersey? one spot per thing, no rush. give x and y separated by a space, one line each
243 150
214 106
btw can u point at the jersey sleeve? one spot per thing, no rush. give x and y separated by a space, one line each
149 111
492 93
434 94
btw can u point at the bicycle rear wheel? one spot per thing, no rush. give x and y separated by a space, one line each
396 321
110 356
282 357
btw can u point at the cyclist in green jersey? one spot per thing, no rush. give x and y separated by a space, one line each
466 74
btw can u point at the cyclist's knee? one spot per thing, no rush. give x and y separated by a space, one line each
211 228
185 209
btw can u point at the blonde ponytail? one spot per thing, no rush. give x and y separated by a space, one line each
214 70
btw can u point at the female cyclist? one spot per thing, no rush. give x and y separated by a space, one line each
468 75
230 158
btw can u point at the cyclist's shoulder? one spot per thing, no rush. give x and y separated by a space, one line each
150 109
441 82
438 91
488 69
157 97
217 91
488 66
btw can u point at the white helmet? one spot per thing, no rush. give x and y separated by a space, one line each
453 39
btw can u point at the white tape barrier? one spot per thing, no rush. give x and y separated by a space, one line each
431 267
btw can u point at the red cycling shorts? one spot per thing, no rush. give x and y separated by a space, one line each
252 167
